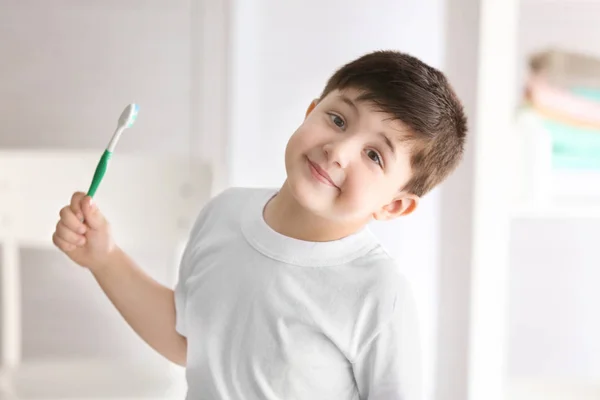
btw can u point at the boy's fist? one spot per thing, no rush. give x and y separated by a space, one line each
83 233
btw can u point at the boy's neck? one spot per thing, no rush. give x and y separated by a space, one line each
285 216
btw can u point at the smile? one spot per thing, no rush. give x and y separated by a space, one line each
319 174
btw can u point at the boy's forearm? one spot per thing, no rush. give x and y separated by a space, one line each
146 305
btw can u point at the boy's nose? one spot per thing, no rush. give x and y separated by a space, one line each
340 152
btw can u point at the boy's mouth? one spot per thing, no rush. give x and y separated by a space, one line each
320 174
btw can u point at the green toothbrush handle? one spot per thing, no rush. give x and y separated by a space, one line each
99 173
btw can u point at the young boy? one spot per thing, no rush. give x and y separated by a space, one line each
285 294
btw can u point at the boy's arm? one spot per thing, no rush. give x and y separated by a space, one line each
84 235
146 305
389 367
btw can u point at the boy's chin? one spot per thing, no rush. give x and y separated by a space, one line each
323 204
312 201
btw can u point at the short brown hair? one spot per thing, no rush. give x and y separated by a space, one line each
420 97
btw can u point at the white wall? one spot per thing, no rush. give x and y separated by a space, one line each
461 54
282 55
69 68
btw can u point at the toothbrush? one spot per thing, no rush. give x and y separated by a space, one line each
126 120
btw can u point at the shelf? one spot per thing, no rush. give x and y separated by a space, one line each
541 190
562 3
551 389
557 212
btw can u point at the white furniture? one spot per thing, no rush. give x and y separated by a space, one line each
513 185
151 200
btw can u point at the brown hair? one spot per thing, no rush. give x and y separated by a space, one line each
420 97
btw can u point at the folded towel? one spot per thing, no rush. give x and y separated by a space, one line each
573 146
587 93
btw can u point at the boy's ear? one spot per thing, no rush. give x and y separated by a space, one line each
311 106
402 205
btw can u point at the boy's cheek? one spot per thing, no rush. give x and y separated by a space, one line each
301 143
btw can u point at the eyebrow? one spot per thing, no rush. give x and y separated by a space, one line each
388 142
349 101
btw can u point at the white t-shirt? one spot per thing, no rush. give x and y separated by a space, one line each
268 317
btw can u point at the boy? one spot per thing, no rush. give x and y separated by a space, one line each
284 294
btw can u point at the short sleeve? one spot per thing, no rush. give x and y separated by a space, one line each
186 265
180 290
390 366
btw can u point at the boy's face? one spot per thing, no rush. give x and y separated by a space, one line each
346 162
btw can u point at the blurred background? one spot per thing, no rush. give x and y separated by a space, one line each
503 256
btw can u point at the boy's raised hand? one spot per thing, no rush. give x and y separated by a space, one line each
83 233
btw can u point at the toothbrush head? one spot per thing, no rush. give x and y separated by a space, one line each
126 120
128 116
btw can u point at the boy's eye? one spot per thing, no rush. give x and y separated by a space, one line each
374 156
337 120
